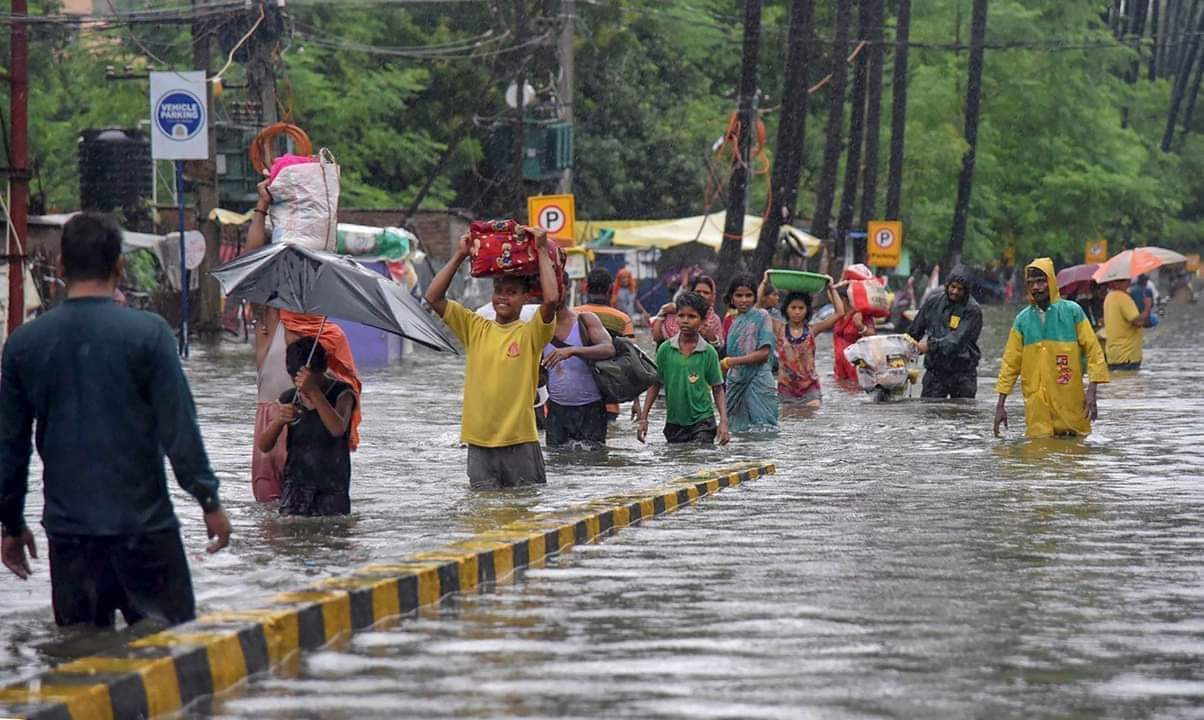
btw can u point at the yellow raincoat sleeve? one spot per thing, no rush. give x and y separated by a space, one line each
1097 366
1009 369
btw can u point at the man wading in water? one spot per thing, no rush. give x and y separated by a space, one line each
110 399
1045 349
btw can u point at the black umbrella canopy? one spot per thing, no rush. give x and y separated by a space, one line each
296 278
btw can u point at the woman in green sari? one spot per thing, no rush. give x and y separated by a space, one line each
752 391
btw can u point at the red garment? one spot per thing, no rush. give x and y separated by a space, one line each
844 334
267 469
338 358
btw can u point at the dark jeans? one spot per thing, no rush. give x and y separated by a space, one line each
143 576
700 433
940 384
1124 367
583 423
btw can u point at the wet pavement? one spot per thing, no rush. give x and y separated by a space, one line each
902 562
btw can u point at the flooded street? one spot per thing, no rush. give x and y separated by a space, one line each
902 563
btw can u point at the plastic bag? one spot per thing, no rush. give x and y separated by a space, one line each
857 272
305 203
882 361
869 298
362 240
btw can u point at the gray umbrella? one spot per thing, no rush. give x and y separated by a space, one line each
296 278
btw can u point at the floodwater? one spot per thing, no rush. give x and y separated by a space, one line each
902 563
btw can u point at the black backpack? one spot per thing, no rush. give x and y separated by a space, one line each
623 377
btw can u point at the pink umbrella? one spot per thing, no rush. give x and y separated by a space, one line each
1076 279
1138 261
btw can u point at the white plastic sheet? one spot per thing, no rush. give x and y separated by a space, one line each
882 361
305 203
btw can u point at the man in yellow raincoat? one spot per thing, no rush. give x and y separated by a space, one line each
1046 349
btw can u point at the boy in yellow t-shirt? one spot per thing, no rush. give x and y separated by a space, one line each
501 372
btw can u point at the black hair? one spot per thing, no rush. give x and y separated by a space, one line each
769 289
742 280
297 355
598 281
695 301
805 297
522 280
91 247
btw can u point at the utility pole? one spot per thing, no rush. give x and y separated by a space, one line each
18 178
261 64
737 187
204 175
852 168
978 37
520 97
873 117
566 51
792 130
821 219
898 119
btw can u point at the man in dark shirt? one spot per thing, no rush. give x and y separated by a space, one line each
946 329
109 399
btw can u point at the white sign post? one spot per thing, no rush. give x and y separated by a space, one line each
179 132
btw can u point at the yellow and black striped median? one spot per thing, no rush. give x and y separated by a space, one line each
162 673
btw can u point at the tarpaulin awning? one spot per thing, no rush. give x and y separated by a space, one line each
705 229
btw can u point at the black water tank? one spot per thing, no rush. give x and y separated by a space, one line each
115 169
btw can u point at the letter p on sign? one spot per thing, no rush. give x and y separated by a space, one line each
554 213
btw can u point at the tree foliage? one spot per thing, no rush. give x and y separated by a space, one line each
1068 149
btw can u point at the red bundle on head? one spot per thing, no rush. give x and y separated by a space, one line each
502 247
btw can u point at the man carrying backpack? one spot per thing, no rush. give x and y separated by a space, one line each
576 411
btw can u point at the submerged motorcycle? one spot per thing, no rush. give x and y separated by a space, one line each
886 365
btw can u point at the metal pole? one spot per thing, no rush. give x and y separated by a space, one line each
183 263
568 34
18 162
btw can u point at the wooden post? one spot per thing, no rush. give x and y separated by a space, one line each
737 187
821 219
894 183
965 181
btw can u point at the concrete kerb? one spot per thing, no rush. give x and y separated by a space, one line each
163 673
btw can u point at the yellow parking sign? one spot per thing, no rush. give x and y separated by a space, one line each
554 213
1097 251
884 243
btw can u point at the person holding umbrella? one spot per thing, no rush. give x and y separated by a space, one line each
502 370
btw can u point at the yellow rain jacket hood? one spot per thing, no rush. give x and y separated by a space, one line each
1048 352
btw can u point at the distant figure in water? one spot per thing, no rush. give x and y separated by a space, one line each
1045 350
317 471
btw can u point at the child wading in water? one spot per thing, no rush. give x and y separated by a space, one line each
501 372
798 382
317 472
688 369
752 393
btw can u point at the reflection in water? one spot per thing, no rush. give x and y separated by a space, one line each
903 563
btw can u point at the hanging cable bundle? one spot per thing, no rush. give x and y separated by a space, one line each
261 146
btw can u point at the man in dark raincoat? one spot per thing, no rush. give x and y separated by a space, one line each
946 330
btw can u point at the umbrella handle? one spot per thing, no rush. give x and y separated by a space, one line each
310 359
